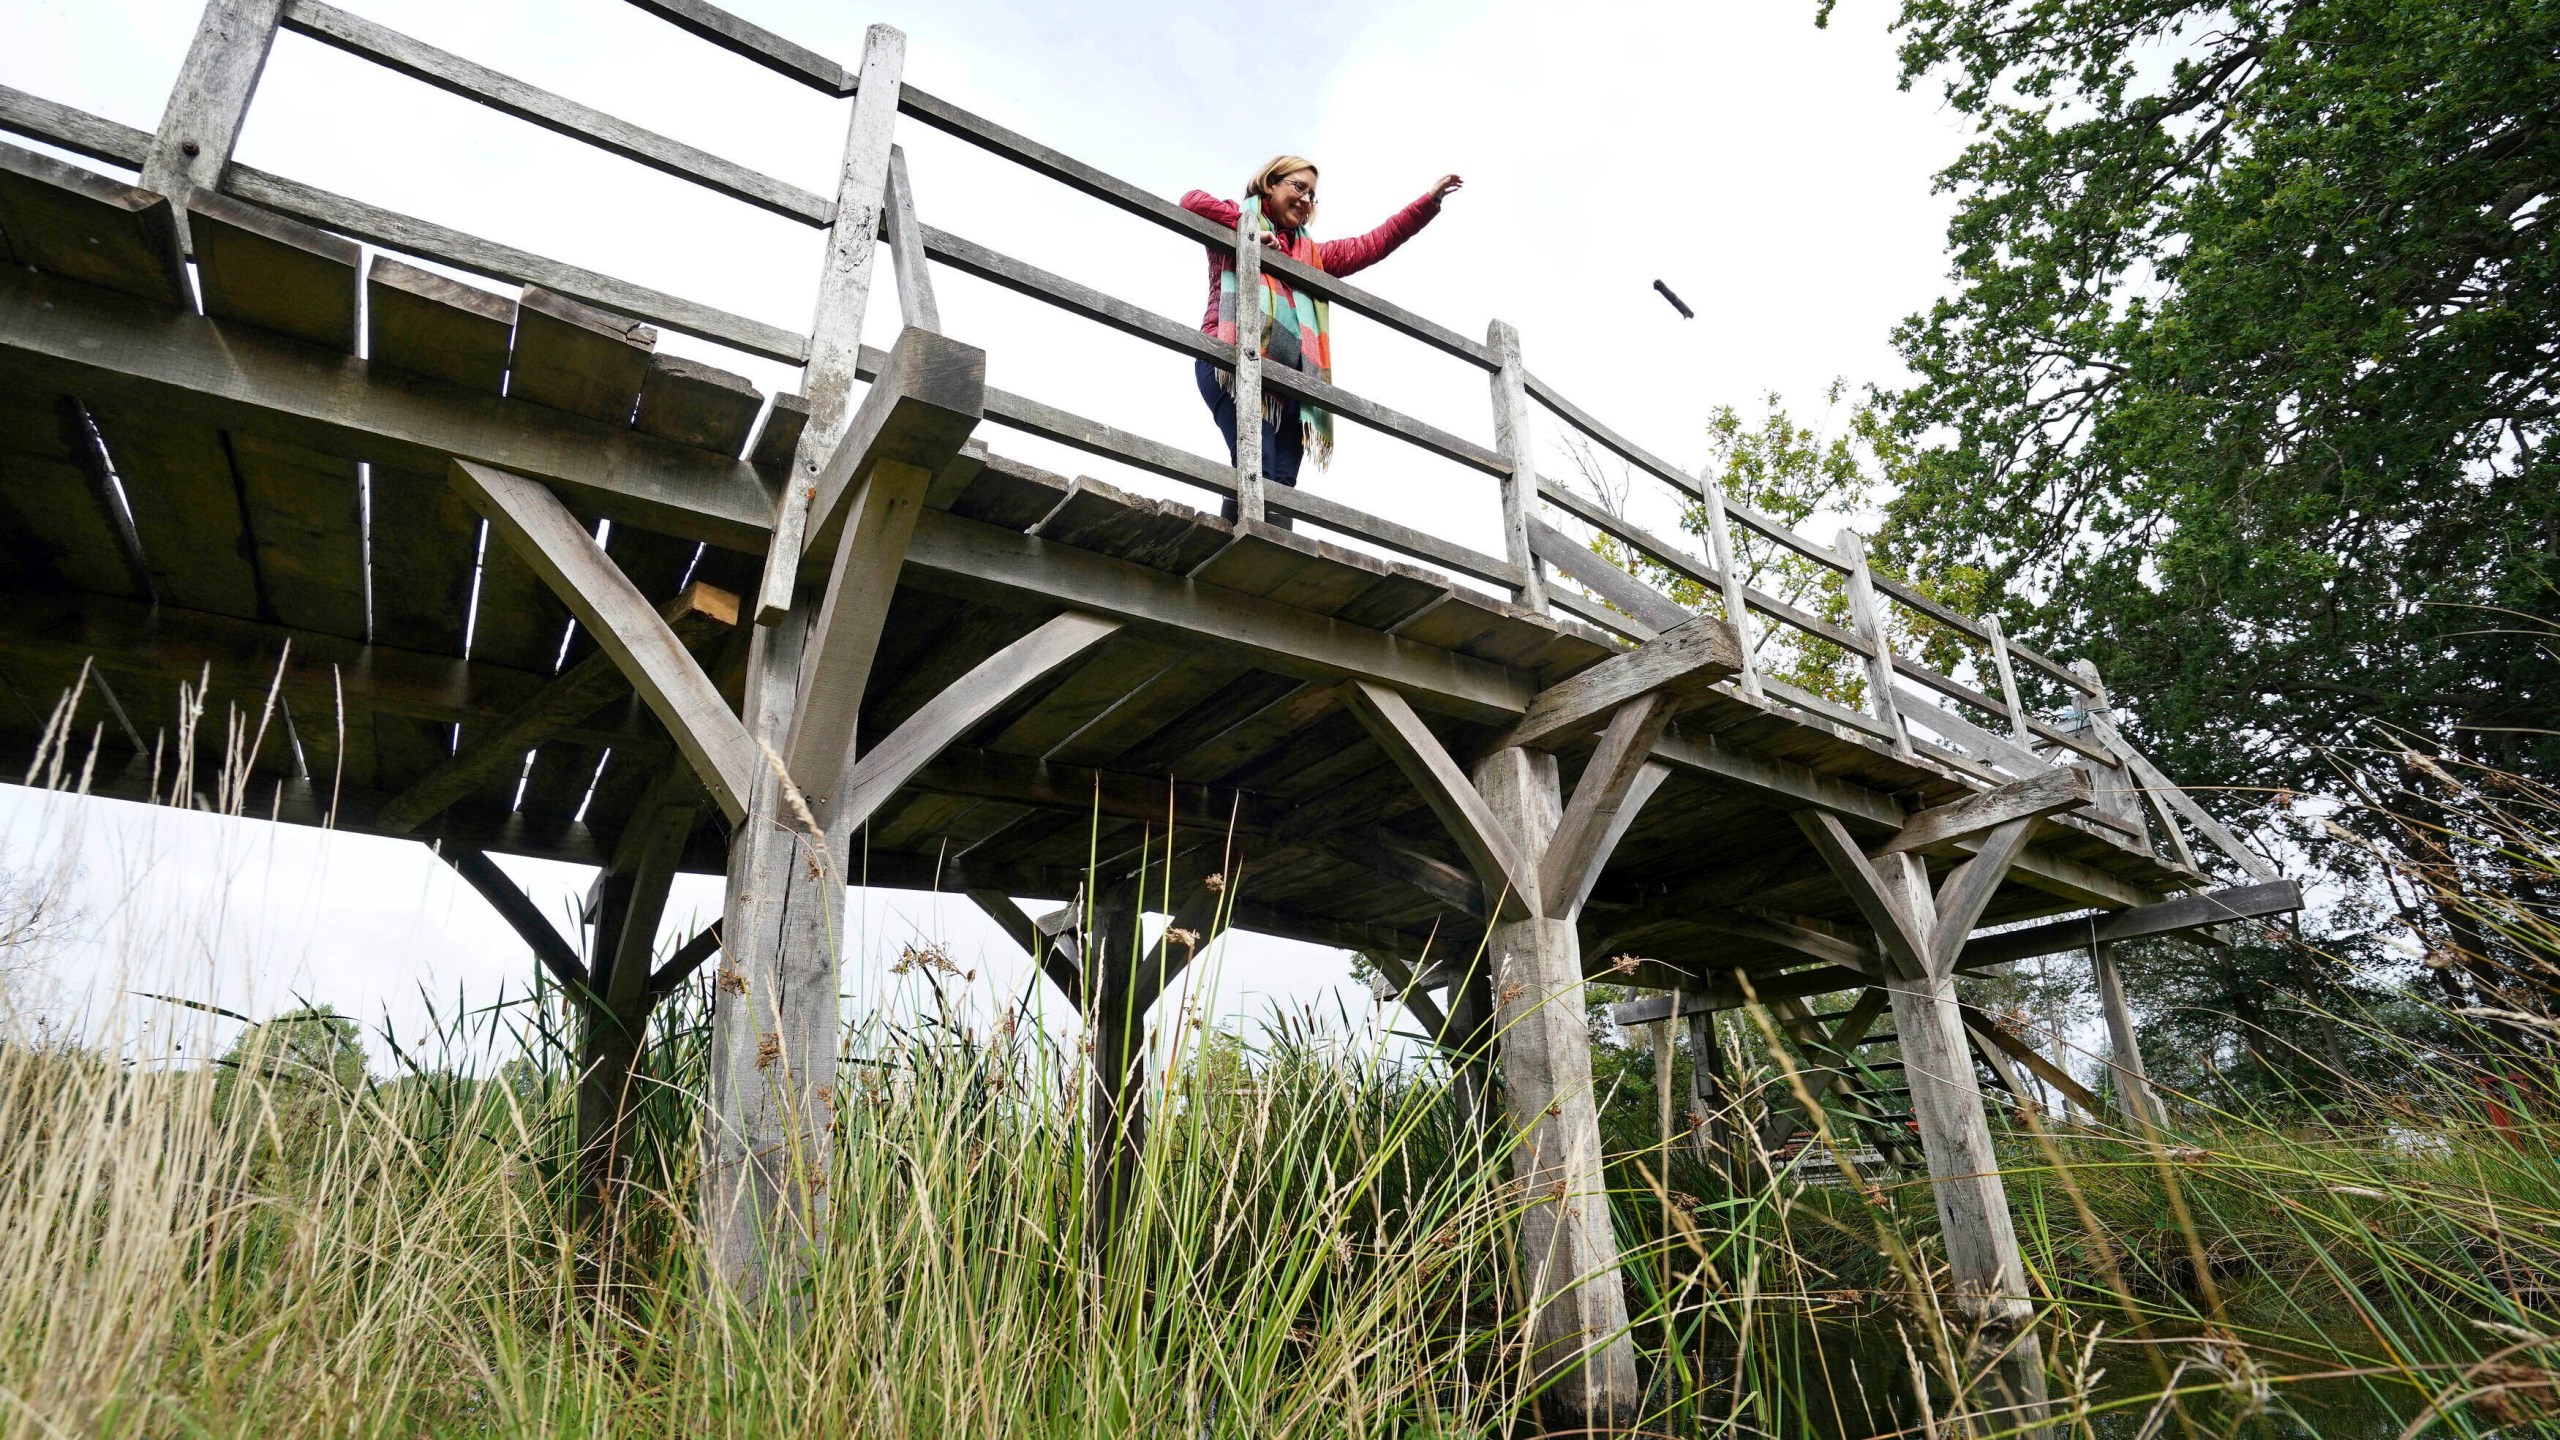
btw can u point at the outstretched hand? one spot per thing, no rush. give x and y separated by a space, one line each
1445 186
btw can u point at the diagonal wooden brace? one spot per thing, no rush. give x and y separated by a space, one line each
533 523
863 513
1480 834
1685 660
1622 775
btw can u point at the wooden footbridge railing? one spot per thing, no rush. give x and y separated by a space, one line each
505 578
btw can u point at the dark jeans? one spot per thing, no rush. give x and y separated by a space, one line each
1284 445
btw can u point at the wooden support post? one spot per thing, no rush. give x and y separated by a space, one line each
1737 606
1511 437
201 123
1706 1087
614 1005
1248 372
1569 1249
2135 1100
1868 615
1922 932
844 295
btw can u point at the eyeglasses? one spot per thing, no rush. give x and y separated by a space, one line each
1301 186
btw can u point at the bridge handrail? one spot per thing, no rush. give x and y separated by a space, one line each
1892 708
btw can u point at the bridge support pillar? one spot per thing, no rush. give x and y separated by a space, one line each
1568 1247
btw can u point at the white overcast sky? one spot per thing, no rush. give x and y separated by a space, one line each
1769 172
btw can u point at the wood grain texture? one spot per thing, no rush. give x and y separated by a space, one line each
1500 861
916 308
1620 777
274 273
2036 796
210 101
86 227
1519 487
577 358
174 365
431 325
1682 661
539 529
694 404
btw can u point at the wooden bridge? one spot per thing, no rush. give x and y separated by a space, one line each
481 567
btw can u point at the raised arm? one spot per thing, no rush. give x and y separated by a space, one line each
1359 252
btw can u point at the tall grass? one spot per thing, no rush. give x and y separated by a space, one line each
279 1247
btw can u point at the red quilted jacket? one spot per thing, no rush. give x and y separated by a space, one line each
1341 257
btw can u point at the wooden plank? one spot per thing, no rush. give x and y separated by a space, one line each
509 96
305 522
2036 796
422 584
66 518
278 274
577 358
1443 882
1155 533
2135 1100
84 226
754 43
539 529
887 767
966 557
427 324
1386 420
1481 836
445 245
1682 661
72 129
1040 783
1654 609
186 507
695 404
698 617
778 434
200 125
172 365
1622 775
1245 373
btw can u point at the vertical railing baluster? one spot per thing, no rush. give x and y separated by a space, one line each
1737 606
1869 619
2018 727
1248 376
201 123
1520 487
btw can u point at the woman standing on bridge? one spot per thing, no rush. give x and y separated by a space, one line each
1297 330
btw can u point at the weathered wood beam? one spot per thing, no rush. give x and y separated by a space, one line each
911 424
542 532
1906 943
1084 790
1940 827
697 616
59 335
201 123
1037 939
1622 775
1963 894
963 557
1989 1032
1651 608
2169 917
1442 881
1480 834
522 916
1685 660
889 765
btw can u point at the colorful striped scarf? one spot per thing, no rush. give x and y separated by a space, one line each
1306 321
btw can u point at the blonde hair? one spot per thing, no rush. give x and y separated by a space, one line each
1271 172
